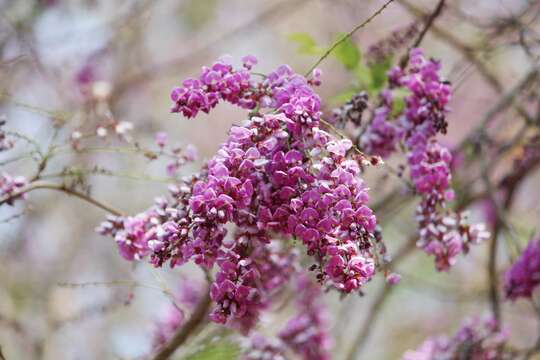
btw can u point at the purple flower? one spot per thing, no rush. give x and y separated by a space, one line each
523 276
10 185
443 233
161 139
249 61
477 339
276 174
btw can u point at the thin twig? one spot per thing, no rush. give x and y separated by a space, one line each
374 311
430 21
504 102
347 35
469 53
64 189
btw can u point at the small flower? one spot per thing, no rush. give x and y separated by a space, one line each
523 277
249 61
101 90
10 185
101 132
123 127
393 279
477 339
161 139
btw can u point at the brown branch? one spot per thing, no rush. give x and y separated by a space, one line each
198 316
509 184
378 304
374 311
348 35
504 102
430 21
64 189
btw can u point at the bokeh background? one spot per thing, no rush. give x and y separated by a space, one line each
53 51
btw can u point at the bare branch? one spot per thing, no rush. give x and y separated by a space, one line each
198 316
348 35
64 189
430 21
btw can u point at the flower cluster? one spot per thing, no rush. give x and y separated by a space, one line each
524 274
249 275
277 174
10 185
218 82
351 111
443 233
282 90
381 136
477 339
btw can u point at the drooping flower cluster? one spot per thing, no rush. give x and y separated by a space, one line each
443 233
216 83
351 111
187 298
250 273
523 277
277 174
381 136
10 185
477 339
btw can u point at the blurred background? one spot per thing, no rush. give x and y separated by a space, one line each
65 293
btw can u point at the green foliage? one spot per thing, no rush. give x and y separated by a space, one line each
398 101
344 96
378 74
347 53
306 44
370 77
222 350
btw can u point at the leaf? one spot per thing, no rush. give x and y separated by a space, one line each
306 44
344 96
363 75
347 53
398 101
221 350
378 76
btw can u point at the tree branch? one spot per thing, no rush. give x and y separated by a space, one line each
430 20
64 189
198 316
348 35
378 304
